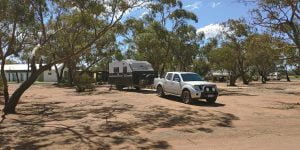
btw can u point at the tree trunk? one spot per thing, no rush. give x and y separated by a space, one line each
28 67
71 69
162 71
10 107
245 80
263 79
59 74
71 79
287 76
232 80
4 80
18 80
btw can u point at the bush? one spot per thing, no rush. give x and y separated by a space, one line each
83 82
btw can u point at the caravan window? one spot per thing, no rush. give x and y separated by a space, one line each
125 70
116 69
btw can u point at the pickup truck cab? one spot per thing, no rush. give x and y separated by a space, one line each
188 85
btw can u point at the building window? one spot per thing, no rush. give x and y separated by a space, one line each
125 70
116 69
49 73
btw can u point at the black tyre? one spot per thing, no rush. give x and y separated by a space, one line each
211 100
160 91
186 97
137 88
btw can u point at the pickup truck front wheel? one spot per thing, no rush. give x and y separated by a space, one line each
160 91
186 97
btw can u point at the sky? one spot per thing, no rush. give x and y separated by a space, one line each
212 12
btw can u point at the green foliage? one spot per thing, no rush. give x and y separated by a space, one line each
262 53
84 82
201 67
280 16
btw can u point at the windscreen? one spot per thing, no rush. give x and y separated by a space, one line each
191 77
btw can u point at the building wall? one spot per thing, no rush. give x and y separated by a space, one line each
50 76
46 76
11 76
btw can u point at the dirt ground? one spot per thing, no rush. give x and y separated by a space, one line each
257 116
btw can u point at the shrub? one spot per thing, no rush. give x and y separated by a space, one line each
83 82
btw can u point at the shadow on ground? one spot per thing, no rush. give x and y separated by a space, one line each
223 92
101 126
284 106
142 91
200 102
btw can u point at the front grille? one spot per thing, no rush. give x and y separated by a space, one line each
209 89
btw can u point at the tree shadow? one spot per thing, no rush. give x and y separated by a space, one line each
96 91
163 117
206 104
291 93
102 126
284 106
141 91
224 92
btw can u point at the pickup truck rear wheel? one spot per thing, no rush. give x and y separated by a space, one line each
160 91
186 97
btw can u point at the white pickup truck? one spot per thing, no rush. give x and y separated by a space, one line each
188 85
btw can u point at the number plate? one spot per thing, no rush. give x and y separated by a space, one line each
210 95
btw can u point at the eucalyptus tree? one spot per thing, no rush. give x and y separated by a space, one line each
202 64
101 52
29 26
186 47
225 58
263 54
282 17
235 34
156 35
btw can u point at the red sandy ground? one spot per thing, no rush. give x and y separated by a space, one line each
257 116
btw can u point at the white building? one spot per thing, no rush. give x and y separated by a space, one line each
19 72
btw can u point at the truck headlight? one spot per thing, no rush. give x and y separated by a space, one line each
196 88
213 89
207 89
